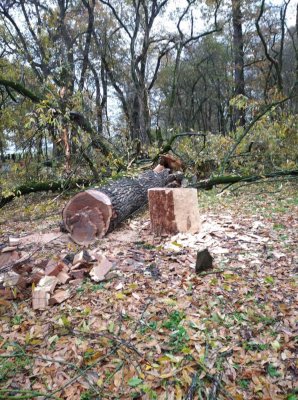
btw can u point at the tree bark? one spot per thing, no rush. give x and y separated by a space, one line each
238 58
94 212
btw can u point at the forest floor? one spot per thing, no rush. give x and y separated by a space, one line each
156 329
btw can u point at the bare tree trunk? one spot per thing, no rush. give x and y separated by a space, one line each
239 115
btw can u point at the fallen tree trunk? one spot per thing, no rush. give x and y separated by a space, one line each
94 212
208 184
33 187
167 161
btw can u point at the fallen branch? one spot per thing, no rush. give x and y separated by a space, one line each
208 184
33 187
190 395
248 128
168 146
215 387
273 180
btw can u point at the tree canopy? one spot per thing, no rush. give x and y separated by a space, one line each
105 79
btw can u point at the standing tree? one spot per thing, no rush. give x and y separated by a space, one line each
274 49
238 46
183 41
136 21
54 39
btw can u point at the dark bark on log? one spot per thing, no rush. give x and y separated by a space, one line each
32 187
208 184
93 213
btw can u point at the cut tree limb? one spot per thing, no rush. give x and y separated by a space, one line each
231 179
94 212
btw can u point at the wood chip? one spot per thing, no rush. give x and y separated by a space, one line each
40 298
47 283
63 277
59 296
101 268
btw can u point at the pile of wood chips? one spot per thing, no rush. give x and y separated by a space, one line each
50 284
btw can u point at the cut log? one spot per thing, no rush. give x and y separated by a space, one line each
94 212
174 210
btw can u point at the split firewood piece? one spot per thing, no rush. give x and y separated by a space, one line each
94 212
204 261
101 268
63 277
41 294
78 274
174 210
36 275
53 268
48 283
40 299
11 279
59 296
81 258
8 249
13 241
7 258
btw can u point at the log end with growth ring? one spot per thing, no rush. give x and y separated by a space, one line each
87 216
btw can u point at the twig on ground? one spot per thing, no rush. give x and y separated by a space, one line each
215 387
192 388
25 394
283 178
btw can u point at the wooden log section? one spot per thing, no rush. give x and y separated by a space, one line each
174 210
91 214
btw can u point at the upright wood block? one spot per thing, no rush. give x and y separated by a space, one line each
174 210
